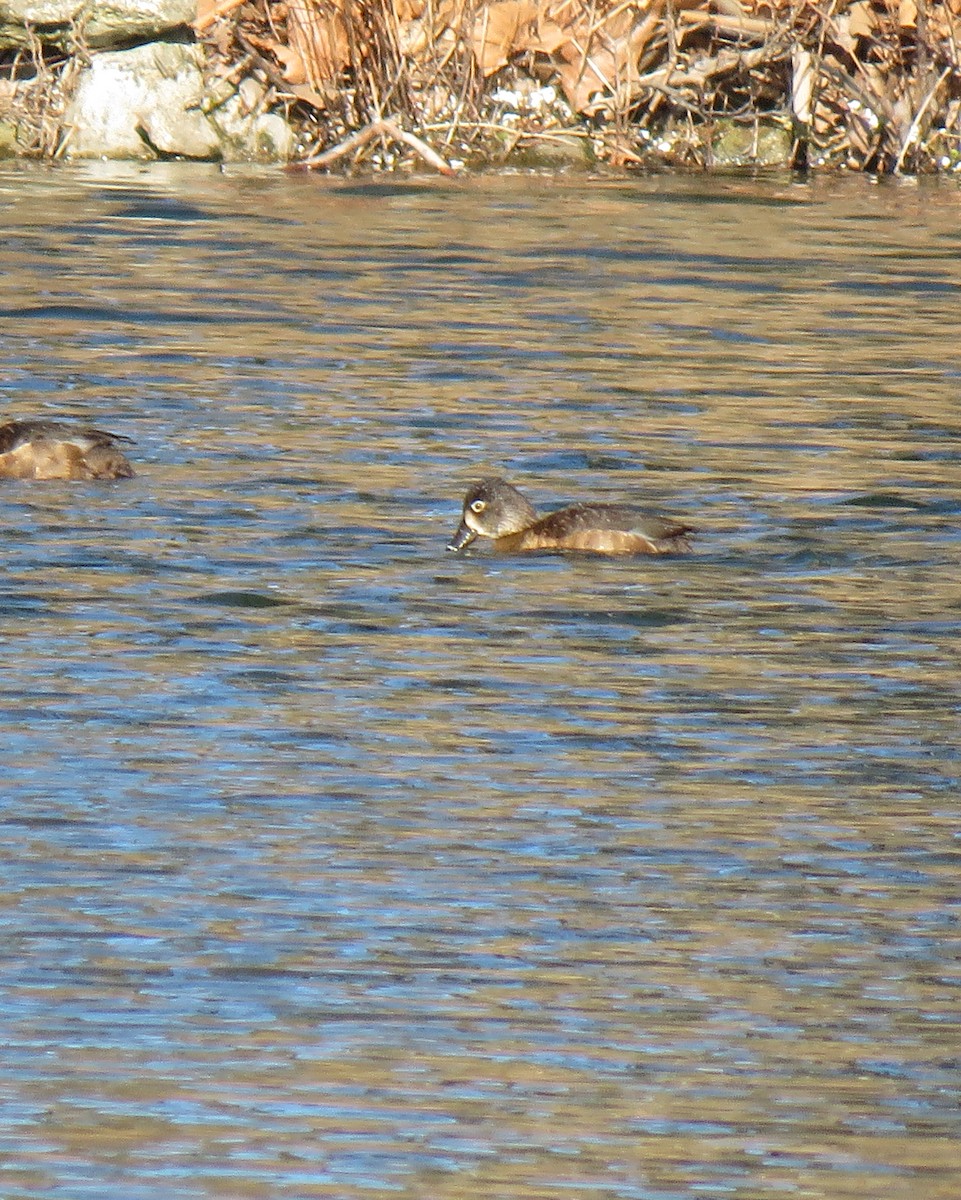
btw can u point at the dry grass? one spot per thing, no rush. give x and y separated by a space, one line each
872 85
867 84
35 88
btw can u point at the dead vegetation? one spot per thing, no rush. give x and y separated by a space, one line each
872 85
35 88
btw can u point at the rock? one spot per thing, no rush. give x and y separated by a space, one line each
142 103
737 145
63 23
9 146
552 153
247 133
152 102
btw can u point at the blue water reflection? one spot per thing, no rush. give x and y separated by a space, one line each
338 865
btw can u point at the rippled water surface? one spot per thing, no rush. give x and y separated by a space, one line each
335 865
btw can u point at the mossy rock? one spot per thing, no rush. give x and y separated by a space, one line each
765 144
90 23
9 146
554 153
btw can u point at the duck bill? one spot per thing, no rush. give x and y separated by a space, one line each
463 537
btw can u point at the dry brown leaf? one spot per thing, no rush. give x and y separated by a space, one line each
842 33
269 44
424 28
209 12
316 32
603 57
205 9
550 35
291 61
944 22
501 31
414 37
221 37
408 10
907 14
862 20
580 80
309 96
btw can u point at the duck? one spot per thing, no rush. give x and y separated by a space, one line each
61 450
495 509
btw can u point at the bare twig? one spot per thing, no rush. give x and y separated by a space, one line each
381 128
753 28
419 146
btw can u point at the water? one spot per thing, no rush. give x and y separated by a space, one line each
335 865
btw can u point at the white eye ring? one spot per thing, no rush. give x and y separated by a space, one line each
478 506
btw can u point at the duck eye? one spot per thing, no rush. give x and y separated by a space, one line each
478 506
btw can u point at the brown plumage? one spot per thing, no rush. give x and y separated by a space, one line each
495 509
59 450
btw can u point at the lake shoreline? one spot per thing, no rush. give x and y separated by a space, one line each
514 84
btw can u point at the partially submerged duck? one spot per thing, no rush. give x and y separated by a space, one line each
495 509
60 450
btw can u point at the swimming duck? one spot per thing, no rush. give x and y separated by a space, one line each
494 508
60 450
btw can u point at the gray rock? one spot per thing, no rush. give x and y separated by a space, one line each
551 153
247 133
141 103
736 145
152 102
64 23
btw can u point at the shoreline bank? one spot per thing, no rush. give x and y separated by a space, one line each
385 84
